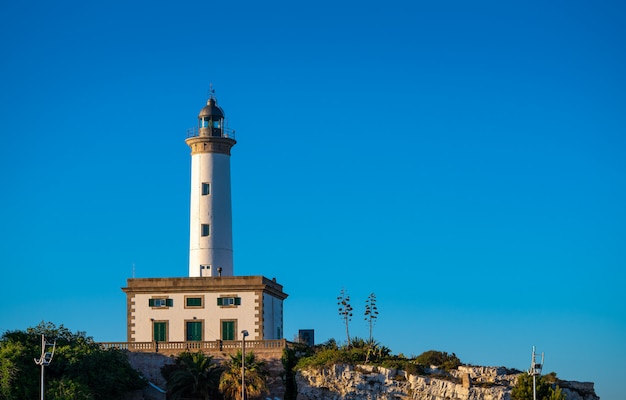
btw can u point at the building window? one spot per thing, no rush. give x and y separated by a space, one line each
159 331
228 330
193 331
205 270
228 301
194 301
205 229
206 189
161 303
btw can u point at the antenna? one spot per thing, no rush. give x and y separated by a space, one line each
45 359
211 91
535 370
133 270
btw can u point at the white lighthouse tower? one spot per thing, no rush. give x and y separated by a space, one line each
211 232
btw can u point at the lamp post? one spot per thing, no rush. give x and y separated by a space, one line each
244 333
535 369
45 359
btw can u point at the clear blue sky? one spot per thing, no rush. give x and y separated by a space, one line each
465 161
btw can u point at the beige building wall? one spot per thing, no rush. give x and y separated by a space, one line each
257 308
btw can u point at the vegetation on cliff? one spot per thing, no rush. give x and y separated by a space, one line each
362 351
80 369
546 386
370 352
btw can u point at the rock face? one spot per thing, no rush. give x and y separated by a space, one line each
578 390
345 382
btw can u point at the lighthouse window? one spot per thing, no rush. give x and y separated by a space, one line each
205 230
206 188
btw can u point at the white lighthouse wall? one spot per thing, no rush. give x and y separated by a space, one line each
272 317
214 209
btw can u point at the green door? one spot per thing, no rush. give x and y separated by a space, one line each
228 330
159 332
194 331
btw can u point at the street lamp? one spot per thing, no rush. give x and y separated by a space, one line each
535 369
45 359
244 333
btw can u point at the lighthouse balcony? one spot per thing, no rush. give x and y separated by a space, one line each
213 132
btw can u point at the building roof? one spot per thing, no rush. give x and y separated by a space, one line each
205 284
211 109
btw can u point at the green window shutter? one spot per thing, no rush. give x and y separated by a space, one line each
194 301
220 301
160 333
194 331
169 302
228 330
237 301
150 302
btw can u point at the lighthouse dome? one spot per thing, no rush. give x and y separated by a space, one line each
211 110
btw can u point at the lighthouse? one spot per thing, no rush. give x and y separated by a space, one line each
212 305
210 223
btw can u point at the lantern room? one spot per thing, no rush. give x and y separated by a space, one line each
211 119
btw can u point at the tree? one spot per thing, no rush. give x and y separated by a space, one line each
556 393
14 374
371 313
289 360
193 376
69 389
345 311
256 375
523 390
81 369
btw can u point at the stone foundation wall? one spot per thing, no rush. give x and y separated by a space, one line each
149 366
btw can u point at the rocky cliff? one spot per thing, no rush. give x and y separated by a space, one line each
347 382
366 382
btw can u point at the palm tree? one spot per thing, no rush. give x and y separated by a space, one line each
256 374
194 376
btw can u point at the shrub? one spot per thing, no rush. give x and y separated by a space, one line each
439 358
403 364
324 358
524 388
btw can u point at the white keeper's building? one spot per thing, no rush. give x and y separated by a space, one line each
212 303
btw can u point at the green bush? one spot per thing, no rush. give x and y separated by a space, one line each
545 390
372 353
325 358
403 364
439 358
